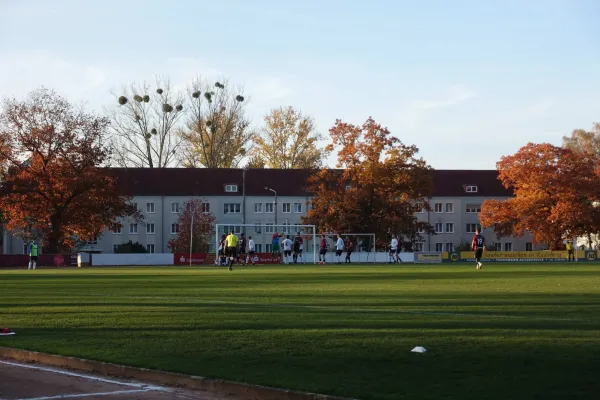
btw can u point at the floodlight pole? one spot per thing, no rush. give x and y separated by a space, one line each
275 204
193 209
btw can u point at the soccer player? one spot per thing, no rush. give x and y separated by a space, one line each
393 250
478 245
33 254
242 252
275 245
349 249
251 248
232 243
322 250
398 250
298 245
222 250
570 254
287 249
339 248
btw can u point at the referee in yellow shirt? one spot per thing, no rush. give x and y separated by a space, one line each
232 241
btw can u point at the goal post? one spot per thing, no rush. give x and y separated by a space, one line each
262 234
364 246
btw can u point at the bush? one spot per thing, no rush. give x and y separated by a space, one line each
130 247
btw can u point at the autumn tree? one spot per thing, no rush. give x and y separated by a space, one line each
288 140
201 234
379 188
583 141
555 190
55 187
216 134
144 122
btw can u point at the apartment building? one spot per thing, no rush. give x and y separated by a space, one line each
264 197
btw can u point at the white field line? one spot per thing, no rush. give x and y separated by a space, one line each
74 396
140 386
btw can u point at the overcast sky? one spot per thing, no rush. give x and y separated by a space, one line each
466 81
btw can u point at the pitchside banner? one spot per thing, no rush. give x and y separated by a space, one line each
429 257
522 256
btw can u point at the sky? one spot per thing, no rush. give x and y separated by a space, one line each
467 82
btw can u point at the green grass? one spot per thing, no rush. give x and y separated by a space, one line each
507 332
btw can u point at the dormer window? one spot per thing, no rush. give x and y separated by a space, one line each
471 189
231 188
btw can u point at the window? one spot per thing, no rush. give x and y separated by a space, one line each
134 205
449 207
133 229
232 208
420 230
269 228
297 208
438 207
419 246
150 248
174 208
497 246
473 208
449 247
439 247
450 227
231 188
471 189
150 229
439 227
174 229
508 246
287 207
116 247
421 208
269 208
471 228
235 228
116 229
25 248
286 227
258 227
258 248
150 208
268 248
205 207
258 208
528 246
94 241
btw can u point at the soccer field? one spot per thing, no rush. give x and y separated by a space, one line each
506 332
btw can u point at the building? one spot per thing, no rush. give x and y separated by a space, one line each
237 196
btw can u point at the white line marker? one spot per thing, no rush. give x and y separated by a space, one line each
73 396
88 377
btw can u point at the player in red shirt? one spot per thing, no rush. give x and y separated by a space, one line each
322 250
349 250
478 245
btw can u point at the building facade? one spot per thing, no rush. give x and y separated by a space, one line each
267 197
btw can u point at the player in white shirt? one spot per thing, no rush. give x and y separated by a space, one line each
287 249
393 250
339 248
251 248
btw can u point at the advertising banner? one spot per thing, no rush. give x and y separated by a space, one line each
184 258
428 257
523 256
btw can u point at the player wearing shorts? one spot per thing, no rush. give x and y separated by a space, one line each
222 248
33 254
232 244
322 250
298 245
287 250
393 250
478 245
275 246
251 248
349 250
242 250
339 248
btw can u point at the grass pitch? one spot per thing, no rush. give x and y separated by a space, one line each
507 332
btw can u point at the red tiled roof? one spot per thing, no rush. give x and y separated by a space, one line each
287 182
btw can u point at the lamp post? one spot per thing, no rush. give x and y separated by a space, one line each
244 198
274 204
193 210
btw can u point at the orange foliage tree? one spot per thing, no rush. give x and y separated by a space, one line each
203 229
378 189
55 187
555 190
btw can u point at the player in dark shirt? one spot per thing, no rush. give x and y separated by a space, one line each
349 250
298 241
223 246
478 245
242 251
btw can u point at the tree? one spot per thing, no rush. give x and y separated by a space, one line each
202 229
256 162
584 141
216 134
555 190
288 140
378 190
145 124
130 247
55 187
